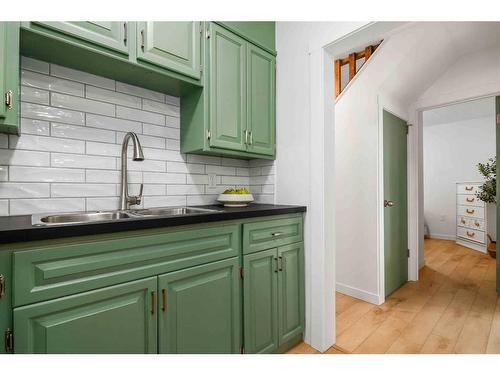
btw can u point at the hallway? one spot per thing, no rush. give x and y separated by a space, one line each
453 308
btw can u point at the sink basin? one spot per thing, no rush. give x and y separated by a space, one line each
171 211
89 217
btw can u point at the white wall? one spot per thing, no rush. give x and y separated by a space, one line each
301 172
451 152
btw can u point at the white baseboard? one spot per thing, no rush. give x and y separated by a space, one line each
439 236
359 294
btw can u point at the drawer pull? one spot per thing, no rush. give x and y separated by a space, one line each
280 267
470 200
477 224
277 234
462 220
469 188
277 268
470 234
470 211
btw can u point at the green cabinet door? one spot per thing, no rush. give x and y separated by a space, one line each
9 77
113 35
261 100
290 291
117 319
260 301
227 89
171 45
199 309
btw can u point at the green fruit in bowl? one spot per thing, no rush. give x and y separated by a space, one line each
240 191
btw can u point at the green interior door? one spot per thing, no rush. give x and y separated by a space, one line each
109 34
290 291
172 45
227 89
199 309
117 319
395 202
497 127
261 100
260 301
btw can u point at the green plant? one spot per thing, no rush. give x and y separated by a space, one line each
488 190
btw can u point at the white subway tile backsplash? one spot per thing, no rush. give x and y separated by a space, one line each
163 108
139 91
37 127
41 143
34 65
82 190
34 95
81 104
40 174
112 97
81 132
83 77
46 82
40 206
67 157
23 190
23 157
47 113
111 123
138 115
82 161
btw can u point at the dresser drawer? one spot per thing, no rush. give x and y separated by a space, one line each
68 267
467 188
469 200
471 235
471 223
467 211
267 234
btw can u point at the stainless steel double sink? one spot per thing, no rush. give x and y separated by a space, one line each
90 217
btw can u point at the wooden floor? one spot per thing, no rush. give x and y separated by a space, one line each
453 308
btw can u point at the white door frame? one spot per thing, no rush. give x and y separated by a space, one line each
416 161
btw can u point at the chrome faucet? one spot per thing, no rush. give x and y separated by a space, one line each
125 199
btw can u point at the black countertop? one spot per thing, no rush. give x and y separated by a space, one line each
19 228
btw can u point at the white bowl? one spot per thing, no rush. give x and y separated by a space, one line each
235 200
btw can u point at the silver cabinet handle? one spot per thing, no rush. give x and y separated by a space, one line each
277 234
246 137
251 138
9 99
389 203
142 40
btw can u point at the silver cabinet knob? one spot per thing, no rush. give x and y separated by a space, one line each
388 203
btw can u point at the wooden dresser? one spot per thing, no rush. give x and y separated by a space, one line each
471 217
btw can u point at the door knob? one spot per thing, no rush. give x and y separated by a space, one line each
388 203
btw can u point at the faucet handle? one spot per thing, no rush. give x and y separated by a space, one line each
137 199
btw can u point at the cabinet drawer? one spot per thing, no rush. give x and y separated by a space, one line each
470 223
467 188
469 200
267 234
65 268
467 211
471 234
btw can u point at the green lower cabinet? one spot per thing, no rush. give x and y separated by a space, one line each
260 301
117 319
273 298
290 291
199 309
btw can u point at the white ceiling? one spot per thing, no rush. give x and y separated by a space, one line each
460 112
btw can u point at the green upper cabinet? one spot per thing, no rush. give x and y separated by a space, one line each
260 33
117 319
234 115
9 77
171 45
261 100
199 309
227 89
113 35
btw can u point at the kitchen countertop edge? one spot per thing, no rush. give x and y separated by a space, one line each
19 228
